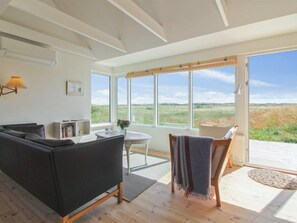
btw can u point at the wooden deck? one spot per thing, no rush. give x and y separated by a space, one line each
243 201
273 154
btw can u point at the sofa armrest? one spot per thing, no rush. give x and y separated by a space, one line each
86 170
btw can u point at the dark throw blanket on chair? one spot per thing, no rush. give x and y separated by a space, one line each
192 165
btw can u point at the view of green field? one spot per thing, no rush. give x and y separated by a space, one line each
268 122
273 122
100 113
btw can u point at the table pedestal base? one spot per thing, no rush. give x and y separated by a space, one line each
128 147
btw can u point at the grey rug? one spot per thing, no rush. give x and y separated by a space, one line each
273 178
142 176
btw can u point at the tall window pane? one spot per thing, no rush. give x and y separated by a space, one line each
173 108
122 98
142 100
100 98
273 98
213 97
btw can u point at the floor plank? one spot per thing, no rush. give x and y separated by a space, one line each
243 200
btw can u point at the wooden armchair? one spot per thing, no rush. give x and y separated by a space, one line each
220 153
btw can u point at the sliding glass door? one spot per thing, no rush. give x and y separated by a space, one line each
273 110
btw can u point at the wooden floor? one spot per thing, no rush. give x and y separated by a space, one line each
243 201
273 154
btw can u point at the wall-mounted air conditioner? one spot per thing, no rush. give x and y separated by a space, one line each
26 51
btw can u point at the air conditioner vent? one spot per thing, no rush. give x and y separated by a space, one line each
25 51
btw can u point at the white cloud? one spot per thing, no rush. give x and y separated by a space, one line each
199 97
144 99
211 74
103 92
100 101
257 83
100 97
228 78
175 94
213 97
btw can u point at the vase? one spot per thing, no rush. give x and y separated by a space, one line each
124 130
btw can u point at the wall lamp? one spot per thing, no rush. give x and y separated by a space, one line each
12 86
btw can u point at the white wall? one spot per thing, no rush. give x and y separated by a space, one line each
45 99
160 135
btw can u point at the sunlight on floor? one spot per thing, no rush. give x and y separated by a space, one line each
257 197
166 179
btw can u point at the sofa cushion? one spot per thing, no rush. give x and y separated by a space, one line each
49 142
1 128
13 125
36 129
32 136
15 133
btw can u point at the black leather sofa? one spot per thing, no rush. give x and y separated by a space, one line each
65 177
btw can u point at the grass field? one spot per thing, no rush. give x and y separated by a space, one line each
273 122
268 122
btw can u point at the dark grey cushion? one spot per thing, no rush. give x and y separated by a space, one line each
13 125
15 133
36 129
32 136
1 128
49 142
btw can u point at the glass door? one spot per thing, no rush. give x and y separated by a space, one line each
273 110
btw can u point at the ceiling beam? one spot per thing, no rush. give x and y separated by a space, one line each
3 5
223 11
140 16
13 29
57 17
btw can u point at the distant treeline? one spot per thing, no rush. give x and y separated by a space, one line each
195 104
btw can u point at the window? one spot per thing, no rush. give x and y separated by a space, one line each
213 97
122 98
180 97
142 100
100 92
173 106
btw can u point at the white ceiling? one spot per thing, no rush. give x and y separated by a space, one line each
123 32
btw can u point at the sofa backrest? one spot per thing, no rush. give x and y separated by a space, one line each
64 178
86 170
28 128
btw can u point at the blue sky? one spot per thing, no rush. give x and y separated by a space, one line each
279 70
273 79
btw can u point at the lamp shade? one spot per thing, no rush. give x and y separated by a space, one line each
15 82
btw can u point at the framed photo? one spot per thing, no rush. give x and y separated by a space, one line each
74 88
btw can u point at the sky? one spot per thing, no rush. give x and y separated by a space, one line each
273 79
279 71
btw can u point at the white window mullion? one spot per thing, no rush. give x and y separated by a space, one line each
129 99
190 118
113 98
156 119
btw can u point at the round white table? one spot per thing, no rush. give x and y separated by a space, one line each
130 139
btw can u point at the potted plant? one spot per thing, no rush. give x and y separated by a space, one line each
123 124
